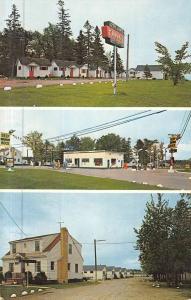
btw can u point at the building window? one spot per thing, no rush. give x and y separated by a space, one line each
55 69
70 248
113 161
38 266
69 160
25 245
68 266
76 268
11 267
43 68
85 160
52 265
98 162
61 68
19 68
14 248
37 246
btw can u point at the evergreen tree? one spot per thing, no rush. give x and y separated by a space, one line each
50 41
126 148
80 49
119 64
98 55
87 144
88 35
14 39
73 143
147 72
65 32
109 142
36 46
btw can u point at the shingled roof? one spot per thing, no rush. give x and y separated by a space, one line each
141 68
39 61
65 63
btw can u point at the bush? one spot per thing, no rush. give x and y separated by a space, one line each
1 277
40 278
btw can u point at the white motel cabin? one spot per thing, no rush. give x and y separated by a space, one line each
155 70
93 159
29 67
65 69
90 274
58 255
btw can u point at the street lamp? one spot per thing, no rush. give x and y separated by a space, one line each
95 254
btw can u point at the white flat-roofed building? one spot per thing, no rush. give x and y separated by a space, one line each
58 255
93 159
90 273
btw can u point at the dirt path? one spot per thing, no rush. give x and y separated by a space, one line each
125 289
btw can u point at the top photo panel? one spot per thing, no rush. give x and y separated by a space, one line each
104 53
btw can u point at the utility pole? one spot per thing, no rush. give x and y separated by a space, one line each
95 255
127 68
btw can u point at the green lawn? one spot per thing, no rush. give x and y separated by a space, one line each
7 291
184 170
49 179
134 93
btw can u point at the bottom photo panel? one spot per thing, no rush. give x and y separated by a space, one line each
95 245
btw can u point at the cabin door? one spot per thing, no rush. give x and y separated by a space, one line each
71 72
31 72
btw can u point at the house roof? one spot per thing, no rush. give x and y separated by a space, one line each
110 268
65 63
32 238
151 67
52 244
39 61
92 267
94 151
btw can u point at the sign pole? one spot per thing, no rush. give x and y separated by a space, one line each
115 70
127 68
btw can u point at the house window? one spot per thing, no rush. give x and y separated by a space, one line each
38 266
98 162
113 161
91 272
61 68
19 68
43 68
69 160
85 160
25 245
70 248
69 266
37 246
83 71
14 249
11 267
52 265
55 69
76 268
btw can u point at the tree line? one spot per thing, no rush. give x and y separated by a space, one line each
164 239
55 42
43 150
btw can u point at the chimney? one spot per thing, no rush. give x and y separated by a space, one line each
62 264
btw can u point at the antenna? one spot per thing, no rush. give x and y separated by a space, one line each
61 222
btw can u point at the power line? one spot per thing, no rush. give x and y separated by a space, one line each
12 219
185 126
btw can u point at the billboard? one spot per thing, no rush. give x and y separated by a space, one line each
113 34
4 140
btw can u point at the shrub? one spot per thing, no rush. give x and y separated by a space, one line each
8 275
40 278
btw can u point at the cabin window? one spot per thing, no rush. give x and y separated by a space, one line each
69 160
70 248
37 246
11 267
38 266
52 265
83 71
43 68
55 69
61 68
68 266
85 160
98 162
76 268
113 161
14 248
19 67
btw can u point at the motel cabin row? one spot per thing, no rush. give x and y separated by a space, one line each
104 272
30 67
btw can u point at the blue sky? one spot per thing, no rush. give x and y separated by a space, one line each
146 21
108 216
56 122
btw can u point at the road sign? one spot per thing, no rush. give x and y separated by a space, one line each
113 34
4 140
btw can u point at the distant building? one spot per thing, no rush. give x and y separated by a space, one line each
90 274
29 67
58 255
60 68
11 153
155 70
93 159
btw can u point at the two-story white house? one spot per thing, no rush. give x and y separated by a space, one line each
58 255
11 153
93 159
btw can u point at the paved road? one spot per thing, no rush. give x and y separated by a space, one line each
124 289
178 181
30 83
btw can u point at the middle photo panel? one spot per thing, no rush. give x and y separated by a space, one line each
102 149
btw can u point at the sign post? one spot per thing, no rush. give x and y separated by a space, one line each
173 149
127 67
115 36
